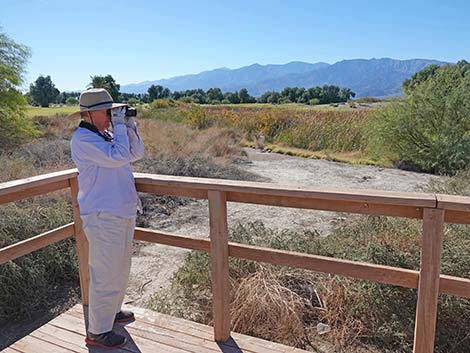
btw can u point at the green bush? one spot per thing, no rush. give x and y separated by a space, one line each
71 101
197 118
133 102
27 282
162 103
314 101
430 129
15 126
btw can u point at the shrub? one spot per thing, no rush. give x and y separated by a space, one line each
197 118
429 130
314 101
71 101
26 282
15 126
162 103
133 102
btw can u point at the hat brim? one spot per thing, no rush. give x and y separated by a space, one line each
101 107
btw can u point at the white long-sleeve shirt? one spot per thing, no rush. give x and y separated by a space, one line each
105 179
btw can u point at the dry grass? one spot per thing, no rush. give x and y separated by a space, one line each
286 305
55 126
296 301
173 140
260 300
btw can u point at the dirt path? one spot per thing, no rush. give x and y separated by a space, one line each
154 264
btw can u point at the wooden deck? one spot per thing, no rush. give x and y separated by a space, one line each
151 332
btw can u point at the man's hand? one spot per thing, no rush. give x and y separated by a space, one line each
118 115
130 122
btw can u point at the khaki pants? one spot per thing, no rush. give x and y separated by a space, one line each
109 260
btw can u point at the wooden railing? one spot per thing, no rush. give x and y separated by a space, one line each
434 210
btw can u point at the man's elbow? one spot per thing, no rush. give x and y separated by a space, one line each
136 153
139 155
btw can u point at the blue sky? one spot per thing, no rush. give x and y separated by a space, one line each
147 40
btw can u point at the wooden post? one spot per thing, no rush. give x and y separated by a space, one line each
428 288
81 241
219 264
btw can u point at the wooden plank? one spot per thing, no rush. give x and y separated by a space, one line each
29 245
57 334
30 344
453 202
10 350
135 343
164 190
359 195
428 290
37 185
166 238
34 191
327 205
360 270
72 331
81 243
458 217
195 330
457 208
402 277
61 338
166 336
219 264
455 286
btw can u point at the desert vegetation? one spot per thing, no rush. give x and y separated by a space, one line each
426 130
357 313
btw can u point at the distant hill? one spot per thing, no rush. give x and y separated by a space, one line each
366 77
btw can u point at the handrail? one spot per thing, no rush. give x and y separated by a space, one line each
433 209
24 188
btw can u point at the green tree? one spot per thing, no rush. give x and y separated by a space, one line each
274 98
245 97
63 96
232 97
43 91
214 94
419 77
71 101
346 94
288 94
15 126
107 82
265 97
330 94
154 92
429 130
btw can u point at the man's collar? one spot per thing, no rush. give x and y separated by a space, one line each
86 125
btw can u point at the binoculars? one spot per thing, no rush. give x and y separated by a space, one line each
129 112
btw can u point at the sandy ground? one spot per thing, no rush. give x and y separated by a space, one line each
154 265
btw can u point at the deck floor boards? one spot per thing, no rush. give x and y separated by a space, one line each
151 332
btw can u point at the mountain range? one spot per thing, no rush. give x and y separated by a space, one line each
366 77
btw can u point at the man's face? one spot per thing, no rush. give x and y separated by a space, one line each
100 119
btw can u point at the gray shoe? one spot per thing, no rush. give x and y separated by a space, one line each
108 339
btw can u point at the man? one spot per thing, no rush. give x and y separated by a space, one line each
108 203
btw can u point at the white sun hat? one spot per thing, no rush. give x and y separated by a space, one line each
95 99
